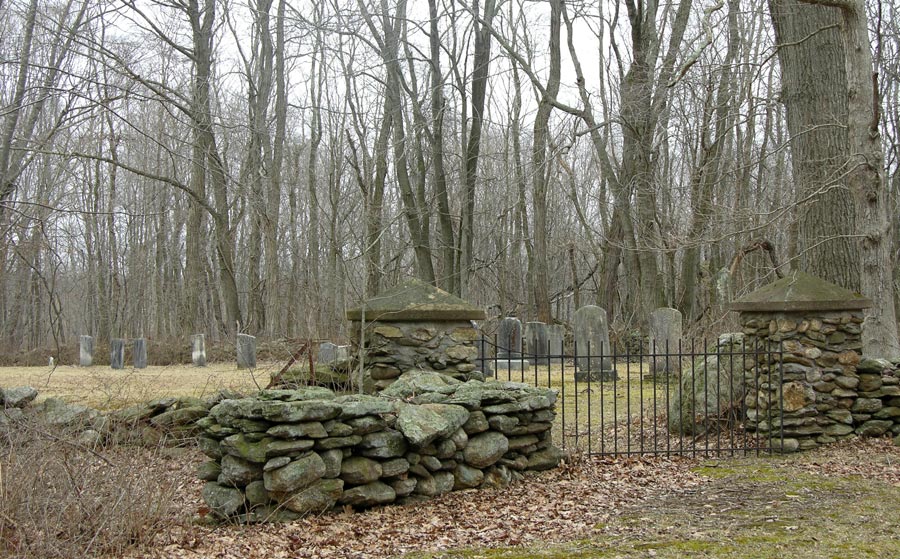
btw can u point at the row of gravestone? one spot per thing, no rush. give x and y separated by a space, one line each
246 352
116 352
545 343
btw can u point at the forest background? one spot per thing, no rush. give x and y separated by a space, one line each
170 167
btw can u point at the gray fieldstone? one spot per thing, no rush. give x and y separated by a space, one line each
467 477
383 444
333 459
358 470
371 494
310 429
299 474
256 493
485 449
223 501
17 397
287 448
423 424
318 497
708 386
395 467
238 472
209 470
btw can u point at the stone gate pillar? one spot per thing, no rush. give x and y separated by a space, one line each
803 385
414 326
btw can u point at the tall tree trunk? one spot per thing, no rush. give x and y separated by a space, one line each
814 93
256 168
273 212
644 97
312 170
540 177
389 45
708 170
865 170
202 27
448 253
481 65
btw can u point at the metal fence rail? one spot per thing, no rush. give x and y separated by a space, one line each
619 404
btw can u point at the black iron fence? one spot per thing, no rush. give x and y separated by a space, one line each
695 399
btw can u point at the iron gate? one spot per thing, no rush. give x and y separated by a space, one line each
688 400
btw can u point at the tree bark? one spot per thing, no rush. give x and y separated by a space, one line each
814 93
865 177
540 176
448 251
481 66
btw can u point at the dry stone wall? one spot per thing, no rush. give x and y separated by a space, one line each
825 390
284 453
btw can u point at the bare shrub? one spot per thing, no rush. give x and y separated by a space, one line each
61 498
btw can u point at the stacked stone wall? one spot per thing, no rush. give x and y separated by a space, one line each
285 453
392 348
821 391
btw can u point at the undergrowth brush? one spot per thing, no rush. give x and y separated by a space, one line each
61 498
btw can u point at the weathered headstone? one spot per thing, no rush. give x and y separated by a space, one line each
509 344
246 351
327 353
556 335
342 353
86 351
536 336
117 353
139 353
198 350
592 340
665 335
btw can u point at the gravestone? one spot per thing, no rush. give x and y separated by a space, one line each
536 336
509 344
246 351
117 353
665 336
198 350
342 353
556 336
592 341
327 353
86 351
139 353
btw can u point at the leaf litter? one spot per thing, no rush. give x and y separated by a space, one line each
585 498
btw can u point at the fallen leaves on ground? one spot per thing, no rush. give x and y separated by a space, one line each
567 503
870 458
578 500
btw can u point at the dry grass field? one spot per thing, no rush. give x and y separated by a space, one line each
104 388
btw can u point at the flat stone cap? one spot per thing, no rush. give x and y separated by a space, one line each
416 300
799 291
